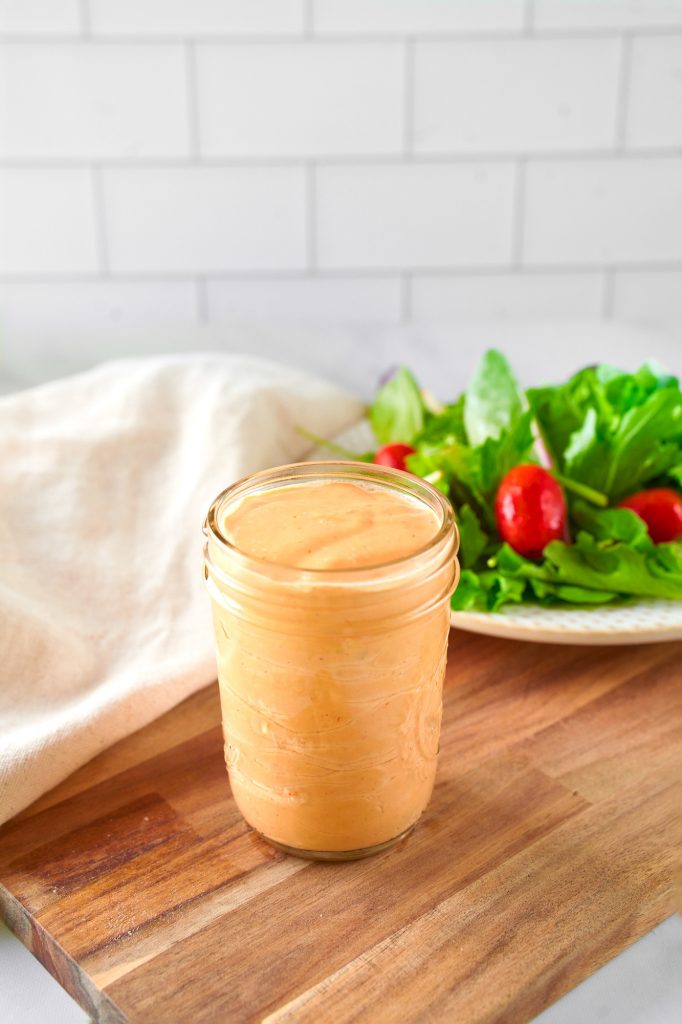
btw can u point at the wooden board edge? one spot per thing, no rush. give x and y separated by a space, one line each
63 968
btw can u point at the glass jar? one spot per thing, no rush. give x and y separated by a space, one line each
331 679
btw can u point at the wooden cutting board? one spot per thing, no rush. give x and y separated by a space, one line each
549 846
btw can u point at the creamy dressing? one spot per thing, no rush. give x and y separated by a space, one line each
334 525
331 694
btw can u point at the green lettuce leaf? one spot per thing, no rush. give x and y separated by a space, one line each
493 399
486 591
613 524
617 558
675 474
472 538
613 431
567 593
398 412
445 427
621 569
473 474
469 595
605 430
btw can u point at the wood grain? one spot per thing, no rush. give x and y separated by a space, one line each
550 844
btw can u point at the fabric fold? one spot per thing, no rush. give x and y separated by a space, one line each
105 479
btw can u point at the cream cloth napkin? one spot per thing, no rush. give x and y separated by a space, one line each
105 479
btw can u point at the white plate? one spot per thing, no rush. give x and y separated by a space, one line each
644 622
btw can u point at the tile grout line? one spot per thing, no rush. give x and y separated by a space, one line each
191 92
529 18
347 272
101 241
308 19
623 95
361 38
454 159
84 18
311 217
608 294
518 215
408 98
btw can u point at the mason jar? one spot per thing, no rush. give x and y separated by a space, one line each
331 678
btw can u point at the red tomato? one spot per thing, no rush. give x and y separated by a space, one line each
530 510
661 510
393 455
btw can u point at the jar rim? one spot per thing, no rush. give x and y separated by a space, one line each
292 474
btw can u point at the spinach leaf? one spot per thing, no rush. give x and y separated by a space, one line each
493 399
473 474
486 465
398 413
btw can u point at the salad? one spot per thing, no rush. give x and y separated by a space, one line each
563 494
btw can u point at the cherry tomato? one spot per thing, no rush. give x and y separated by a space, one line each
530 510
393 455
661 510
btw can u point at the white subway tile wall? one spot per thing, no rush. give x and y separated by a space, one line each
415 214
443 298
27 17
296 100
556 97
323 160
307 299
47 222
655 108
618 210
196 17
180 219
648 296
93 102
609 14
424 16
45 305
